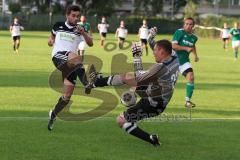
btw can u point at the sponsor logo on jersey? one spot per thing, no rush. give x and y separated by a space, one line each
187 43
67 37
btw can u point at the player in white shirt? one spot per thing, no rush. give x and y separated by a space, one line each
225 35
121 34
143 35
103 29
15 29
65 38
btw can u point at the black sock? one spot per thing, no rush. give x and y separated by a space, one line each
59 107
82 75
101 81
146 51
134 130
14 47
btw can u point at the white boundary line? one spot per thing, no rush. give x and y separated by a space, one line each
113 118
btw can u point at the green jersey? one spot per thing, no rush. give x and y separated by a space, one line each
85 25
235 34
182 38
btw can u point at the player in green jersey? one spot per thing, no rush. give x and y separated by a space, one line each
183 43
235 33
87 28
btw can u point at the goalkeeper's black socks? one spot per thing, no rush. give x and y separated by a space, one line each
102 81
134 130
114 80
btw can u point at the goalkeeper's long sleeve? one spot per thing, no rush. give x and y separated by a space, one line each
138 68
151 42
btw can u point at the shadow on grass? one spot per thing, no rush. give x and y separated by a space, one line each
10 78
105 113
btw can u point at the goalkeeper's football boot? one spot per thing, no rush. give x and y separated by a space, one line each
155 142
91 79
190 104
51 120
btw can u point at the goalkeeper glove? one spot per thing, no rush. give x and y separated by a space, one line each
153 32
136 50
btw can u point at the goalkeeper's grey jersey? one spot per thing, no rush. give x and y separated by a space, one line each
160 80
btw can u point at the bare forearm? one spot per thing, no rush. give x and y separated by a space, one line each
51 40
88 39
194 51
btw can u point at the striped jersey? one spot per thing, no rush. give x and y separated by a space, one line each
66 38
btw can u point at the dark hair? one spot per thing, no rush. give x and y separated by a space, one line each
190 18
74 8
165 44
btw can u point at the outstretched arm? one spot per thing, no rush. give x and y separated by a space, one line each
10 29
152 34
86 36
196 59
116 33
51 40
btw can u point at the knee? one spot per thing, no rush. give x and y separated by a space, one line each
121 120
67 96
191 77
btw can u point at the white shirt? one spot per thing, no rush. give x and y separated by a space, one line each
122 32
143 31
103 27
225 33
16 27
66 39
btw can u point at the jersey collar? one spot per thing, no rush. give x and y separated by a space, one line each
69 26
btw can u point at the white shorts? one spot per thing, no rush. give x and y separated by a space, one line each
82 45
184 67
235 44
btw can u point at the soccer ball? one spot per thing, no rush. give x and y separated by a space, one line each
128 98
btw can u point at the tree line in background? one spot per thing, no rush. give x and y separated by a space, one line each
100 7
88 7
94 9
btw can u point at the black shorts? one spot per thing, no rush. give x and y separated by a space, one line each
60 61
144 41
122 39
103 34
225 39
187 71
16 38
143 109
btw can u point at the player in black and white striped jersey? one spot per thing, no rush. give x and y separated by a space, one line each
65 38
15 29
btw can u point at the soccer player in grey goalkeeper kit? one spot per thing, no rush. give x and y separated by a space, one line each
155 86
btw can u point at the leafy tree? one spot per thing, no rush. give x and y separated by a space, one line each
148 7
14 7
190 9
98 7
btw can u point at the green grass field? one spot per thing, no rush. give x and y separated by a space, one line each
210 132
